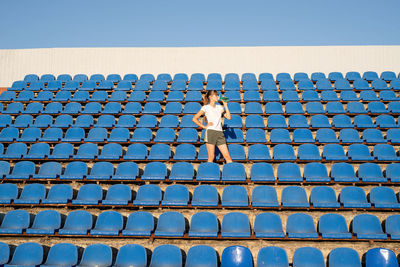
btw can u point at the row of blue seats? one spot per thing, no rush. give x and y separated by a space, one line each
190 96
202 196
202 224
206 171
163 152
191 135
186 121
115 108
198 85
333 76
66 254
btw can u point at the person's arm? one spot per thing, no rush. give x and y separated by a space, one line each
197 122
227 113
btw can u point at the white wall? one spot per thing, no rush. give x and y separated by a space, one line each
14 64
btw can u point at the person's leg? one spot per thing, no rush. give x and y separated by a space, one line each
210 151
225 152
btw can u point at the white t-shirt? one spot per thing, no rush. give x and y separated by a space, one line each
214 114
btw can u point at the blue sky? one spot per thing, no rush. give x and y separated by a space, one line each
176 23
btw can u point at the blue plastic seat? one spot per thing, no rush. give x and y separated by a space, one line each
234 196
173 108
62 254
193 96
289 171
72 108
262 172
7 96
59 194
139 223
176 96
376 107
309 96
319 121
170 224
14 222
9 134
394 107
316 76
88 85
119 135
234 108
267 225
343 172
166 255
303 136
75 170
329 96
8 192
74 135
62 151
46 223
5 120
38 151
256 136
185 152
334 108
15 151
214 85
117 96
359 152
235 256
159 152
280 136
342 121
169 121
105 85
126 121
148 195
27 254
349 136
176 195
96 255
208 171
194 85
136 151
316 172
99 96
373 136
101 171
147 121
385 121
14 108
272 256
276 121
204 224
383 197
88 194
251 96
235 224
380 257
84 121
33 108
308 256
352 75
388 96
22 170
111 152
182 171
324 197
187 122
355 108
80 77
131 78
114 78
300 225
131 255
294 108
270 96
370 76
191 108
93 108
368 226
334 152
363 121
388 76
258 152
283 152
270 108
290 96
255 108
368 95
286 84
165 135
112 108
201 255
371 172
298 121
126 170
268 85
63 121
236 151
87 151
353 197
109 223
334 76
342 84
105 121
264 196
141 135
252 121
79 96
205 195
294 196
349 96
393 172
155 171
385 152
23 121
97 77
333 225
392 226
314 108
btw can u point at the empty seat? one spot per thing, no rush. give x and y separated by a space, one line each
185 152
373 136
270 108
204 224
159 152
141 135
201 255
15 151
233 172
147 121
385 152
234 196
79 96
182 171
342 121
380 257
294 108
139 223
33 108
5 120
264 196
236 256
119 135
176 195
38 151
276 121
105 121
256 136
294 196
235 224
205 195
316 172
9 134
62 254
88 194
353 197
333 225
108 223
63 121
59 194
74 135
14 222
262 172
148 195
258 152
324 197
303 136
270 96
96 255
27 254
289 172
283 152
111 152
22 170
280 136
208 171
300 225
383 197
8 192
166 255
359 152
349 136
101 171
170 224
308 256
349 96
15 108
343 172
252 121
334 152
191 108
72 108
368 226
62 151
87 151
45 223
376 107
136 152
267 225
319 121
187 135
355 108
126 170
326 136
93 108
385 121
314 108
254 108
371 172
308 152
272 256
155 171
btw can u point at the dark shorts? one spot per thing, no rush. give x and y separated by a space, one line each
214 137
